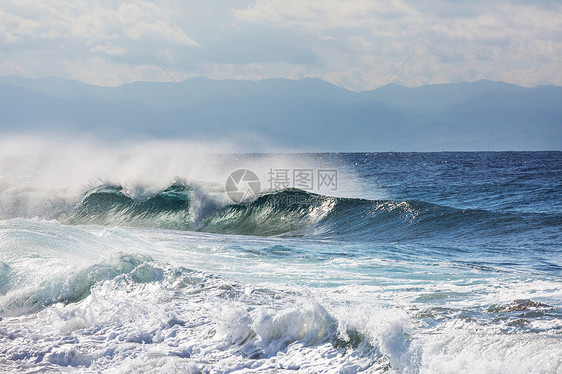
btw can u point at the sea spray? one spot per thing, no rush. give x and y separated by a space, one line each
439 263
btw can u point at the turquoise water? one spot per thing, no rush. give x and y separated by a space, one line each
415 262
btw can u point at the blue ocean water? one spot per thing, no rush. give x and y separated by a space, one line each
407 262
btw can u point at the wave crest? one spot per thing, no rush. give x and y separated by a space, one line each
289 212
113 206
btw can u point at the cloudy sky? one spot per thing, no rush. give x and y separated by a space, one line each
356 44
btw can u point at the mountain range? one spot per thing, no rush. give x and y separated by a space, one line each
308 115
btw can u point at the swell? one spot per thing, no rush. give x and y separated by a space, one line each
293 212
113 206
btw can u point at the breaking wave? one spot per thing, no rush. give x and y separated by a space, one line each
291 212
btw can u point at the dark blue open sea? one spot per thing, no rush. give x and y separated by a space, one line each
309 263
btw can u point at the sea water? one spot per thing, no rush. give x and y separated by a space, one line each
399 263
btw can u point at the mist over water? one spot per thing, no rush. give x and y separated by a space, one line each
138 260
38 176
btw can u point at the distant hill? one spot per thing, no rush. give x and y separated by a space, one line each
305 115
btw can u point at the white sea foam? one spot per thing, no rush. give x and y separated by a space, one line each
128 300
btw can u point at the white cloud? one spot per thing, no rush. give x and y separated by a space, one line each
65 36
92 21
469 41
315 15
9 67
354 43
109 49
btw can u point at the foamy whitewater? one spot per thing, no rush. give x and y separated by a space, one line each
410 263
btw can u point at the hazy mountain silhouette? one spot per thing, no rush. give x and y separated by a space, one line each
305 115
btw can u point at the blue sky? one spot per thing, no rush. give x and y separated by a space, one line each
355 44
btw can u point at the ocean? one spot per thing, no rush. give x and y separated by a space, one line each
282 263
